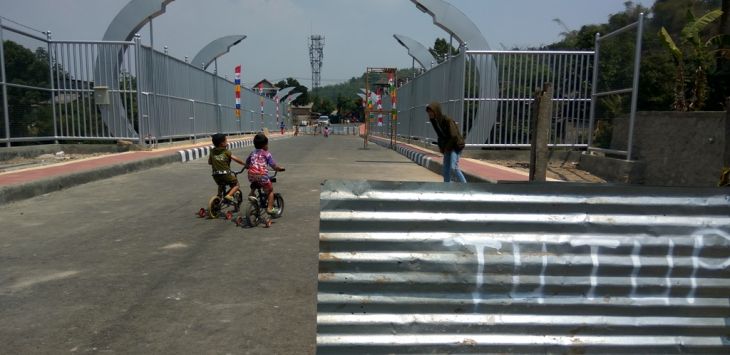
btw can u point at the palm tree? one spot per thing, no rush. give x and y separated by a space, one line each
696 55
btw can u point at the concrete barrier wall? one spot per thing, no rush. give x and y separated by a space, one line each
678 148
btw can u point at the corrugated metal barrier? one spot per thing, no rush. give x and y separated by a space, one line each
434 268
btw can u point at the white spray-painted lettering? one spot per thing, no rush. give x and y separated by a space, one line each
697 262
594 244
636 262
516 269
668 276
541 290
700 242
701 234
479 246
538 292
695 265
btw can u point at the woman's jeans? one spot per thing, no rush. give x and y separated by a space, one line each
451 165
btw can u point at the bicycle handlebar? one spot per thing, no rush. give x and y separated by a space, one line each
276 172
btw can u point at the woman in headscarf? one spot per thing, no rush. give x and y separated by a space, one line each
450 141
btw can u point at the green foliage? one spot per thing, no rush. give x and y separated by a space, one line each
669 42
24 67
603 134
672 14
29 109
440 50
694 58
322 105
346 104
659 71
691 32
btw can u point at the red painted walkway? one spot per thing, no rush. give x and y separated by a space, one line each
21 176
33 174
474 167
487 171
18 177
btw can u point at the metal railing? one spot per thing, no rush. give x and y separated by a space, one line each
443 83
500 115
489 94
110 90
522 268
633 90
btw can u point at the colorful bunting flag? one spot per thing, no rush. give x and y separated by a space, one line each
237 81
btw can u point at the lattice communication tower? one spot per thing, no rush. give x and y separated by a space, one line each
316 53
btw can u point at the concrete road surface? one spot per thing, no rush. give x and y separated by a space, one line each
123 265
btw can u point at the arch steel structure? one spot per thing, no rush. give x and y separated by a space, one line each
123 28
215 49
418 51
483 113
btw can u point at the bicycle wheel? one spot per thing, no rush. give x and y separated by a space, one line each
252 215
214 207
278 203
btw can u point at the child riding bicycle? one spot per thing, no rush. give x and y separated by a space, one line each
257 164
220 160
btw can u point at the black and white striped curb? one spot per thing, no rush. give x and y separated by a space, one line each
416 156
430 162
201 152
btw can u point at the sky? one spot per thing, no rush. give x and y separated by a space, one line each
358 33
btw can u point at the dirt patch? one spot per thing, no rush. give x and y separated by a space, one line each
565 171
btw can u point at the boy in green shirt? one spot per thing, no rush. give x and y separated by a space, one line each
220 159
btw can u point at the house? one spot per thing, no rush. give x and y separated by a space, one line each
268 87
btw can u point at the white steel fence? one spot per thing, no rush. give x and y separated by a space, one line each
104 90
443 83
490 93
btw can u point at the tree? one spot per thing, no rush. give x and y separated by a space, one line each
655 86
440 50
345 105
29 110
322 105
724 21
694 57
569 36
672 14
23 66
720 80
